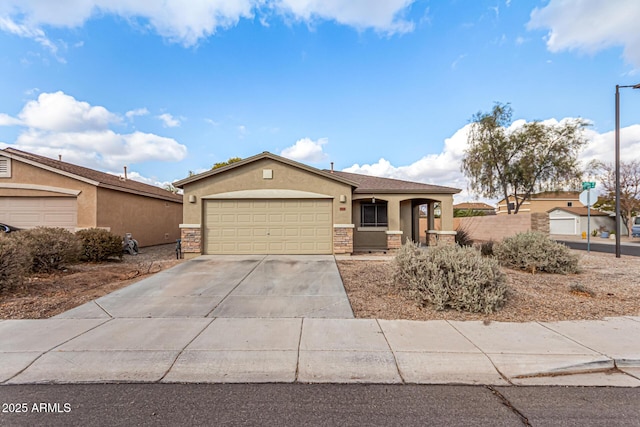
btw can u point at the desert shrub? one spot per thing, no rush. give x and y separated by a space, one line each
463 237
486 248
48 247
14 263
452 277
535 251
99 244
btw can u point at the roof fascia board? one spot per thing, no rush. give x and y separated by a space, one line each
265 155
139 193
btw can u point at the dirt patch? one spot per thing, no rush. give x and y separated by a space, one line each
607 286
45 295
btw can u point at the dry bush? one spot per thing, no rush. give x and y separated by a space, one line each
452 277
14 262
48 247
99 244
535 251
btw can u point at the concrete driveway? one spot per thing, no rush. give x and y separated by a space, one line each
233 286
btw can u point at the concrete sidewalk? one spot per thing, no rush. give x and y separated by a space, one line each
586 353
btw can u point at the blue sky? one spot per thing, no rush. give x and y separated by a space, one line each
384 87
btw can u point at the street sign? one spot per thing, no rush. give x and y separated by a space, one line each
589 197
587 185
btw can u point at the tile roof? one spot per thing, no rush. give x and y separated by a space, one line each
374 184
473 205
104 180
582 211
556 195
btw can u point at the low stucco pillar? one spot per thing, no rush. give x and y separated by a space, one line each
446 214
191 240
343 238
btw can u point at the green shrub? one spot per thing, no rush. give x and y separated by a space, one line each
534 251
452 277
48 247
14 263
99 244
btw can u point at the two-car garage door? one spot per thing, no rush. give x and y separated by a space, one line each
268 226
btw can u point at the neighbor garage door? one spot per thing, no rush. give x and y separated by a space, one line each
562 226
261 226
27 212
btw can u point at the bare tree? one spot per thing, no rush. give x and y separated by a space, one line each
504 160
605 173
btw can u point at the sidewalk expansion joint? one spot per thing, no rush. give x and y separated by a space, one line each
53 348
393 353
571 339
183 349
508 404
295 379
504 377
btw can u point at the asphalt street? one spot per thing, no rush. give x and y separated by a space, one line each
628 249
316 404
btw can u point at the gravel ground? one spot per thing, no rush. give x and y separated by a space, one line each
613 286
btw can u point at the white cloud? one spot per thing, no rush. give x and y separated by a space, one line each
382 15
189 22
57 123
168 120
137 112
444 168
306 150
7 120
63 113
590 26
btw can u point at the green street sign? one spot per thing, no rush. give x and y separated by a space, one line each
588 185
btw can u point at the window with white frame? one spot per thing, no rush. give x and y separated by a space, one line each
5 167
373 215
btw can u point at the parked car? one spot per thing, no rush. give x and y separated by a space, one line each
5 228
635 229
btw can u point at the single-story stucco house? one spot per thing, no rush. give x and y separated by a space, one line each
40 191
267 204
574 221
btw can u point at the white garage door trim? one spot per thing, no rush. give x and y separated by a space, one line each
268 226
29 212
563 226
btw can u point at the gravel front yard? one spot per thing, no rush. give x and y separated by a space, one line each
613 282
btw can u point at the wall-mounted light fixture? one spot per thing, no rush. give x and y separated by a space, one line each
192 198
343 198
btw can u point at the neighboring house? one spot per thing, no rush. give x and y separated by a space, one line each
475 207
267 204
542 202
574 221
39 191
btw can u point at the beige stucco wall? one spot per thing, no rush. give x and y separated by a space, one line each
23 173
151 221
250 177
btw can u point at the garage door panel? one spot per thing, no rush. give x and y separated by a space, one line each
566 226
28 212
275 226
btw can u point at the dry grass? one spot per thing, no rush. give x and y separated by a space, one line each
607 286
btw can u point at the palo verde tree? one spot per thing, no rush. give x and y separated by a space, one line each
504 159
605 173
